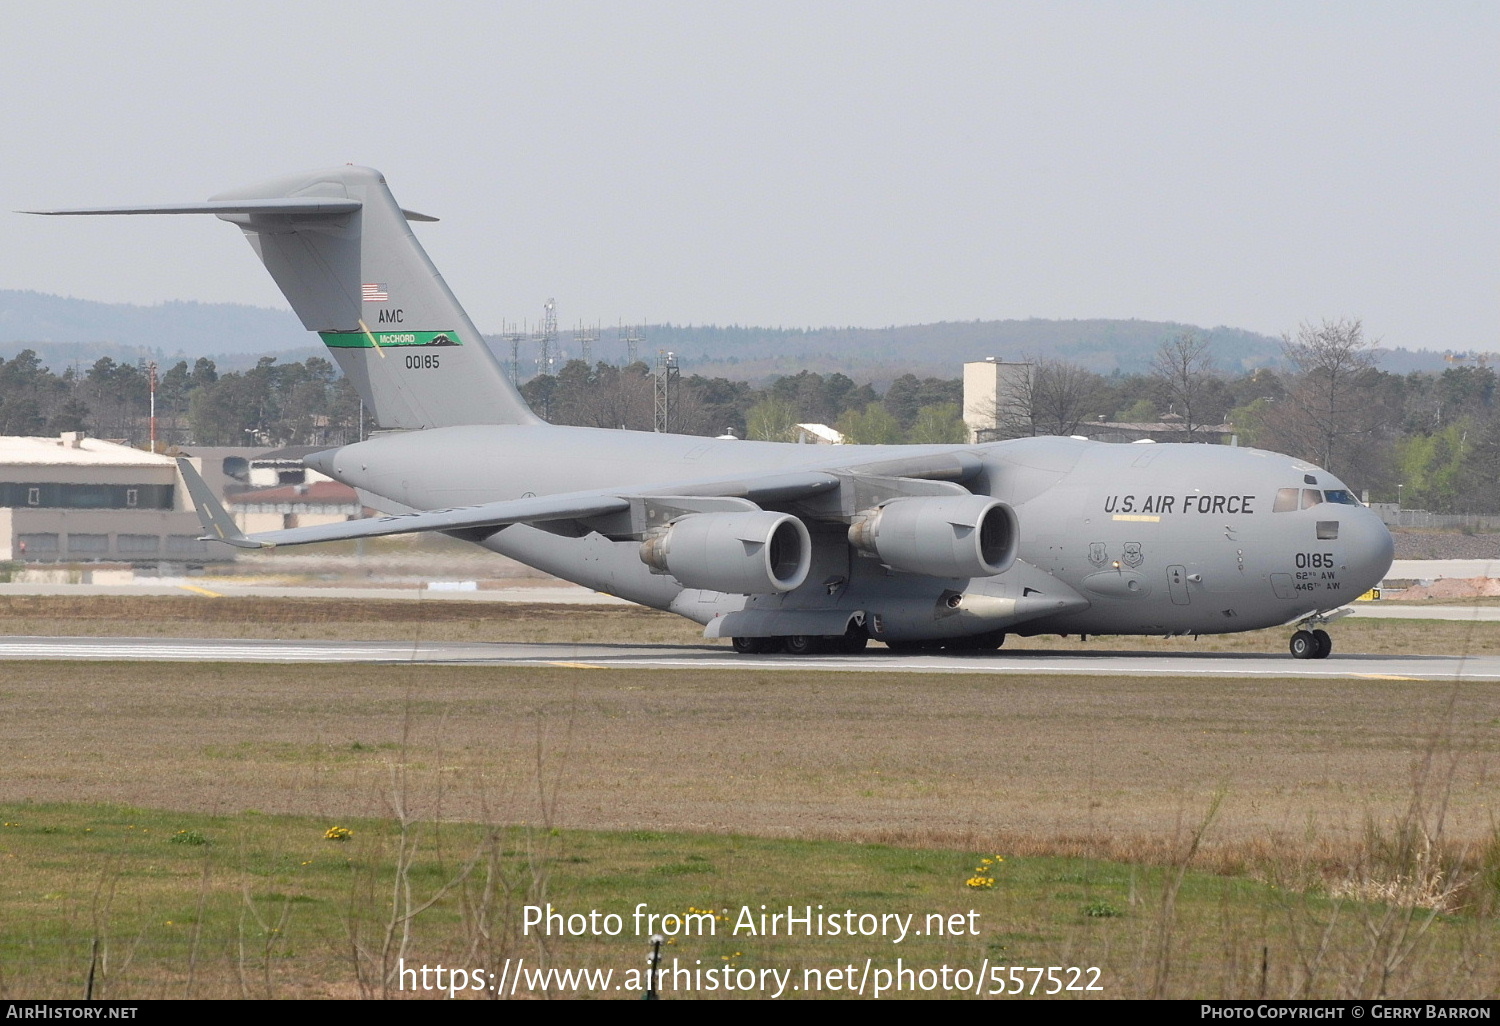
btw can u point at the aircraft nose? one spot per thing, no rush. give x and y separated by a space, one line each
1369 550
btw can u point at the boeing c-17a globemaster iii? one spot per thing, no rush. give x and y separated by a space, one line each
783 547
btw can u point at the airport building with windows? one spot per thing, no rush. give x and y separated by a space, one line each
75 499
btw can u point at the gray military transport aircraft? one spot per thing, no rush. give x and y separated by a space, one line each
782 547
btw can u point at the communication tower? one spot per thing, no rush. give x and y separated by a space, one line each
667 377
515 338
633 337
586 337
546 338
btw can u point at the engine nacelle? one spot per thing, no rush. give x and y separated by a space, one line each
940 536
739 553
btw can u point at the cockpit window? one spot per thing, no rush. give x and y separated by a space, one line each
1288 499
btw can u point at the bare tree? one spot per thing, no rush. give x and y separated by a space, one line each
1061 396
600 396
1336 411
1184 372
1329 405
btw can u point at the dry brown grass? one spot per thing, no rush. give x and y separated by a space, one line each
1358 790
193 616
1112 768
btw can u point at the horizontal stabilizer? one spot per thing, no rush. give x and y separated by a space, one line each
301 205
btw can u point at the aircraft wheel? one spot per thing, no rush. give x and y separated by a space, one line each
802 644
904 646
1324 644
1304 645
987 642
854 641
750 646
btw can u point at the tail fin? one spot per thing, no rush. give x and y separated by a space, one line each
340 248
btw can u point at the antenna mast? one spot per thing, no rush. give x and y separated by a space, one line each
515 338
586 337
667 377
547 337
633 337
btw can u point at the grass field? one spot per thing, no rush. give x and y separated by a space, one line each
193 616
1191 839
127 903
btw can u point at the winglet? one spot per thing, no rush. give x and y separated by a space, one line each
217 523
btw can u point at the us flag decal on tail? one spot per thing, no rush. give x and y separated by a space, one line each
374 292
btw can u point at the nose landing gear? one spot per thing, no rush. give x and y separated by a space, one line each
1311 641
1311 645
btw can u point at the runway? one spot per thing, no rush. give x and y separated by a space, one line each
544 593
677 657
1432 569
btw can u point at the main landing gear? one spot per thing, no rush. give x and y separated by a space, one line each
987 642
804 644
855 641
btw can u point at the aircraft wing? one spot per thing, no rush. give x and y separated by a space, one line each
489 516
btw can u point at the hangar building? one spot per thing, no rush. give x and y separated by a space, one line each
80 499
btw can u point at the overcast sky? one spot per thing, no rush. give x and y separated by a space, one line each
795 164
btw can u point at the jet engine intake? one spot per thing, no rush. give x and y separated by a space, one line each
737 553
940 536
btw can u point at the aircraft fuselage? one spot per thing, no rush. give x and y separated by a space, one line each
1120 539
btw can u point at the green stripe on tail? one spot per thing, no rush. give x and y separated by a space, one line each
388 339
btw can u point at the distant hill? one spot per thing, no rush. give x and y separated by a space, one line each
939 350
64 330
170 329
